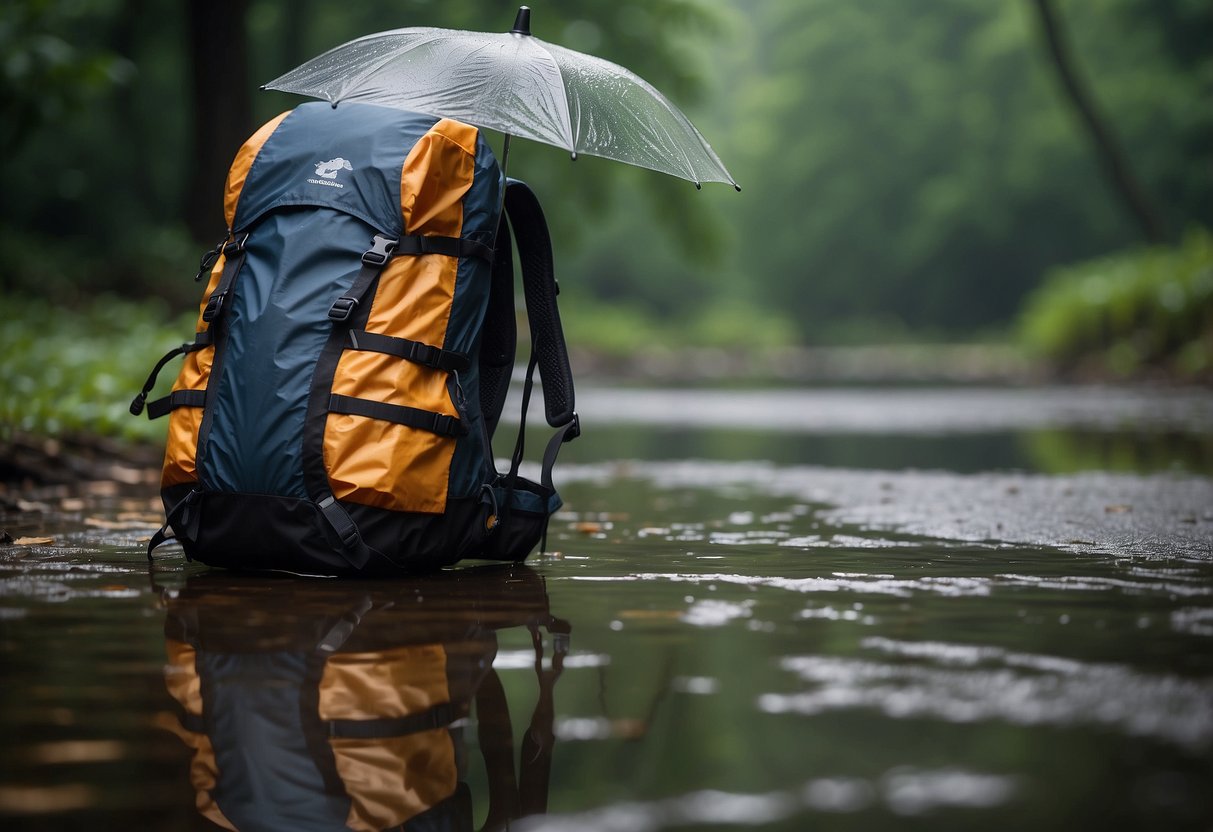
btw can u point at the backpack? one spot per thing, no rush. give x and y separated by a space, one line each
308 705
334 413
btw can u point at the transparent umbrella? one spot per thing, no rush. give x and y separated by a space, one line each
518 84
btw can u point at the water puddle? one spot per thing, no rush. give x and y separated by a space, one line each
709 643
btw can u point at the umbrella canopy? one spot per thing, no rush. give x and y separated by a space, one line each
518 84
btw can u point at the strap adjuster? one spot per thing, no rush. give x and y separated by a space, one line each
445 425
213 305
574 429
234 246
339 520
425 354
342 308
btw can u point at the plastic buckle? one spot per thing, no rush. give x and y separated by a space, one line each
213 305
445 425
342 308
381 249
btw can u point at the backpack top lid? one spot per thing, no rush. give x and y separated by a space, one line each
355 158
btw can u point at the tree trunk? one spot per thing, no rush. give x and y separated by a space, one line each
1111 154
220 106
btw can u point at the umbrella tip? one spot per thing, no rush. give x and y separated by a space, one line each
522 23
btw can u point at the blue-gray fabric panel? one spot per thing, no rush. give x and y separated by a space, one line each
278 323
268 778
348 158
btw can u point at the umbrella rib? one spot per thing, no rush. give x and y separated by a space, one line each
564 99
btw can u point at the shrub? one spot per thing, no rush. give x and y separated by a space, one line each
1129 313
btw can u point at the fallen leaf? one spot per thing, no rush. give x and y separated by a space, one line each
1118 509
587 527
33 541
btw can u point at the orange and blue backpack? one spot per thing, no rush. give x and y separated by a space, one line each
334 413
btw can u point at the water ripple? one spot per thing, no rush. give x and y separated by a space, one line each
902 790
965 683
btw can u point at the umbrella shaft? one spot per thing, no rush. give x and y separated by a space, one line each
505 162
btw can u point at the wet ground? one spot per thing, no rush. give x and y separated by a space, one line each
846 609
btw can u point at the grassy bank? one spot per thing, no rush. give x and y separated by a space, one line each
1132 315
75 371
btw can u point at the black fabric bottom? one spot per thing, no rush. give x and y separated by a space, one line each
260 532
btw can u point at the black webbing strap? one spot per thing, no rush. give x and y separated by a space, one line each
201 339
415 351
234 252
538 741
438 716
174 400
182 522
565 434
343 314
528 387
496 739
450 246
340 632
512 798
373 260
354 550
540 289
411 417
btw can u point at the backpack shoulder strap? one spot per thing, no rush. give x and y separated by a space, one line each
499 338
539 286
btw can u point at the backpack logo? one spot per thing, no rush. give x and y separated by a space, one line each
328 172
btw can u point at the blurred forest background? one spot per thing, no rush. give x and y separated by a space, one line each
1035 174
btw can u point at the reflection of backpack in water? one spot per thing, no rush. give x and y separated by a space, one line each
304 716
334 413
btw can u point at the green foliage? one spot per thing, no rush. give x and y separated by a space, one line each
44 75
1126 313
917 160
908 168
64 372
